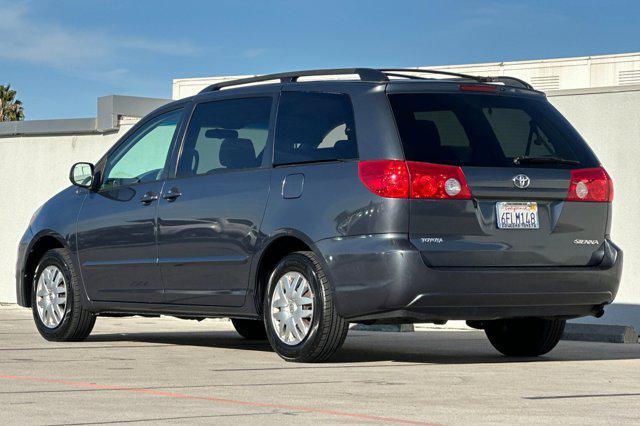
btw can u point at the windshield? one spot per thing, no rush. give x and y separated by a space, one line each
487 130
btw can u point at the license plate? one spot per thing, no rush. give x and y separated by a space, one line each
522 215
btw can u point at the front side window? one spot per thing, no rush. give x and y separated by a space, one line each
314 127
141 158
225 135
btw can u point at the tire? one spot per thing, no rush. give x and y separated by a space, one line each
76 323
326 330
526 336
250 329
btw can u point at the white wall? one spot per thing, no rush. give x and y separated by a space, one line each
185 87
32 169
563 73
610 122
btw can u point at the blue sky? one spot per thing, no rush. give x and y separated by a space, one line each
62 55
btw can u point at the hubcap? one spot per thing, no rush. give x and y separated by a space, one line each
292 308
51 296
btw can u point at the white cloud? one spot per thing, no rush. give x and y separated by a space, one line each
94 55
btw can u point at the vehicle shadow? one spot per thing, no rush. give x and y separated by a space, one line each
421 347
211 339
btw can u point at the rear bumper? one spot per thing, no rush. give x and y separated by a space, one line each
383 277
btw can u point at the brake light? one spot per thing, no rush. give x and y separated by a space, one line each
386 178
590 185
478 87
400 179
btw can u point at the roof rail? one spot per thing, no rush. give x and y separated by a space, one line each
427 71
480 79
365 74
506 79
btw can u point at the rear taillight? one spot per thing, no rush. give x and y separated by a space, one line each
437 181
386 178
590 185
399 179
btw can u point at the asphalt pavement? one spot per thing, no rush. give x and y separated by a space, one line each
169 371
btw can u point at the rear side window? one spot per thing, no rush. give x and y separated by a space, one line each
485 130
226 134
314 127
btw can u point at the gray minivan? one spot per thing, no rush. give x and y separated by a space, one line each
297 207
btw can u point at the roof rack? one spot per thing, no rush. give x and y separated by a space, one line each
480 79
365 74
506 79
427 71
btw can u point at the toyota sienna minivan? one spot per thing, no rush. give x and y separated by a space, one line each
296 206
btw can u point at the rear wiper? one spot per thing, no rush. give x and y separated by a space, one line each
543 160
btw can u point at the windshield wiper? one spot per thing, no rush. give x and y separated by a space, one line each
543 160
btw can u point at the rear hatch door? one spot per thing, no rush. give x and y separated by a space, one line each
517 154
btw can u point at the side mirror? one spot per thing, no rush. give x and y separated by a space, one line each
81 175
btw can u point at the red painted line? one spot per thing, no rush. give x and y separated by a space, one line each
218 400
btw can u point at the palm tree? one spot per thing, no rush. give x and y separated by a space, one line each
10 108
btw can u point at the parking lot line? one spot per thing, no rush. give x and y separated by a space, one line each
175 395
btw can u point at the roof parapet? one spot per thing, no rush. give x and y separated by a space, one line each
109 110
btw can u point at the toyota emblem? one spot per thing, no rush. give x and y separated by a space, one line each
521 181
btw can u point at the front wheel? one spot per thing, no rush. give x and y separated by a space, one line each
301 319
525 336
56 299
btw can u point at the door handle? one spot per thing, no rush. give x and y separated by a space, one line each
172 194
148 198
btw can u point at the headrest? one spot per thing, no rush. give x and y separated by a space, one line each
191 160
427 132
345 149
237 153
424 141
221 134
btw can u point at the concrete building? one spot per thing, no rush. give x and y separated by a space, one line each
600 95
546 74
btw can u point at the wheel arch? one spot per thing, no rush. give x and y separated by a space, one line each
274 249
40 244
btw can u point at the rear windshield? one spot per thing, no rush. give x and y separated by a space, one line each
487 130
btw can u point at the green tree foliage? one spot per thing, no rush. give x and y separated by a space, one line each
10 108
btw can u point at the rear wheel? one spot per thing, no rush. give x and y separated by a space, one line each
525 336
301 319
250 329
56 300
